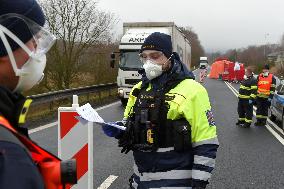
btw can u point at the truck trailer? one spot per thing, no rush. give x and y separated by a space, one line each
134 34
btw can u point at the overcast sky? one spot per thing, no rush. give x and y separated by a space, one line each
220 24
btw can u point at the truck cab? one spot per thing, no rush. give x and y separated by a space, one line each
203 63
128 76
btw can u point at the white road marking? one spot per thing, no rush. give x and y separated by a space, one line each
232 89
107 182
43 127
276 127
277 136
55 123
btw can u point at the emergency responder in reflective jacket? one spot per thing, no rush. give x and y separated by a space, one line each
247 95
23 45
266 84
169 122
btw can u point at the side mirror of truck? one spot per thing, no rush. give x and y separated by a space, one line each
112 60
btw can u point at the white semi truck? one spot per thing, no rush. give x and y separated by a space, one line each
203 62
134 34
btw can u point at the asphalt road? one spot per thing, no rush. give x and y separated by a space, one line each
248 158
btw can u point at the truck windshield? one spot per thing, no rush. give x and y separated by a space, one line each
129 60
203 62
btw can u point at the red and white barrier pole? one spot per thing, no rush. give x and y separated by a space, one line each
201 76
75 140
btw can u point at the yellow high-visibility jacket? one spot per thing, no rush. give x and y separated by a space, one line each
190 101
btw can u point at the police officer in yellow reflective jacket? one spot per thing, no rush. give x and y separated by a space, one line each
247 96
169 123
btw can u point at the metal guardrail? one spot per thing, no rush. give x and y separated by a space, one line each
57 95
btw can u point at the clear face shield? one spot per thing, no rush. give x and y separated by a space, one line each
31 71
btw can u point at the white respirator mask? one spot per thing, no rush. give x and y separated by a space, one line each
153 69
31 73
265 74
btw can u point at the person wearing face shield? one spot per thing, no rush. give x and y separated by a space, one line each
266 84
169 123
23 45
247 95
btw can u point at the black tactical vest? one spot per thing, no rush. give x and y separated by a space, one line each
151 129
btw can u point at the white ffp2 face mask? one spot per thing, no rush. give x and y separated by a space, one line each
265 74
32 73
152 70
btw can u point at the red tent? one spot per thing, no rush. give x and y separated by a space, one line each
228 74
217 68
240 73
233 75
225 68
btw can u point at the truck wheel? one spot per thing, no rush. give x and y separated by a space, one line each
124 101
271 116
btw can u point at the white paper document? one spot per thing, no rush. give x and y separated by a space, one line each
88 113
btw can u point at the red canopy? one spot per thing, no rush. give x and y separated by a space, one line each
217 68
226 69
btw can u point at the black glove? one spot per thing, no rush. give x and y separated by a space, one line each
254 102
127 139
199 184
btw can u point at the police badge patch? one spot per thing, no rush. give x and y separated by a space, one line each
210 118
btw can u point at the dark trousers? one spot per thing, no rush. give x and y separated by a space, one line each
245 111
262 105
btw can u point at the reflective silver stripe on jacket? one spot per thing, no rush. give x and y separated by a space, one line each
200 175
204 161
168 175
134 184
209 141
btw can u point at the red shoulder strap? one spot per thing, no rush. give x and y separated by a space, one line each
6 124
38 153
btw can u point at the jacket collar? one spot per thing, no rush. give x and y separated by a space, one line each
12 106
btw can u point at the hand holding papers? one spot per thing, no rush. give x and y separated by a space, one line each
88 113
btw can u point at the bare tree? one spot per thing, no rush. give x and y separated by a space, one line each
79 26
196 48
